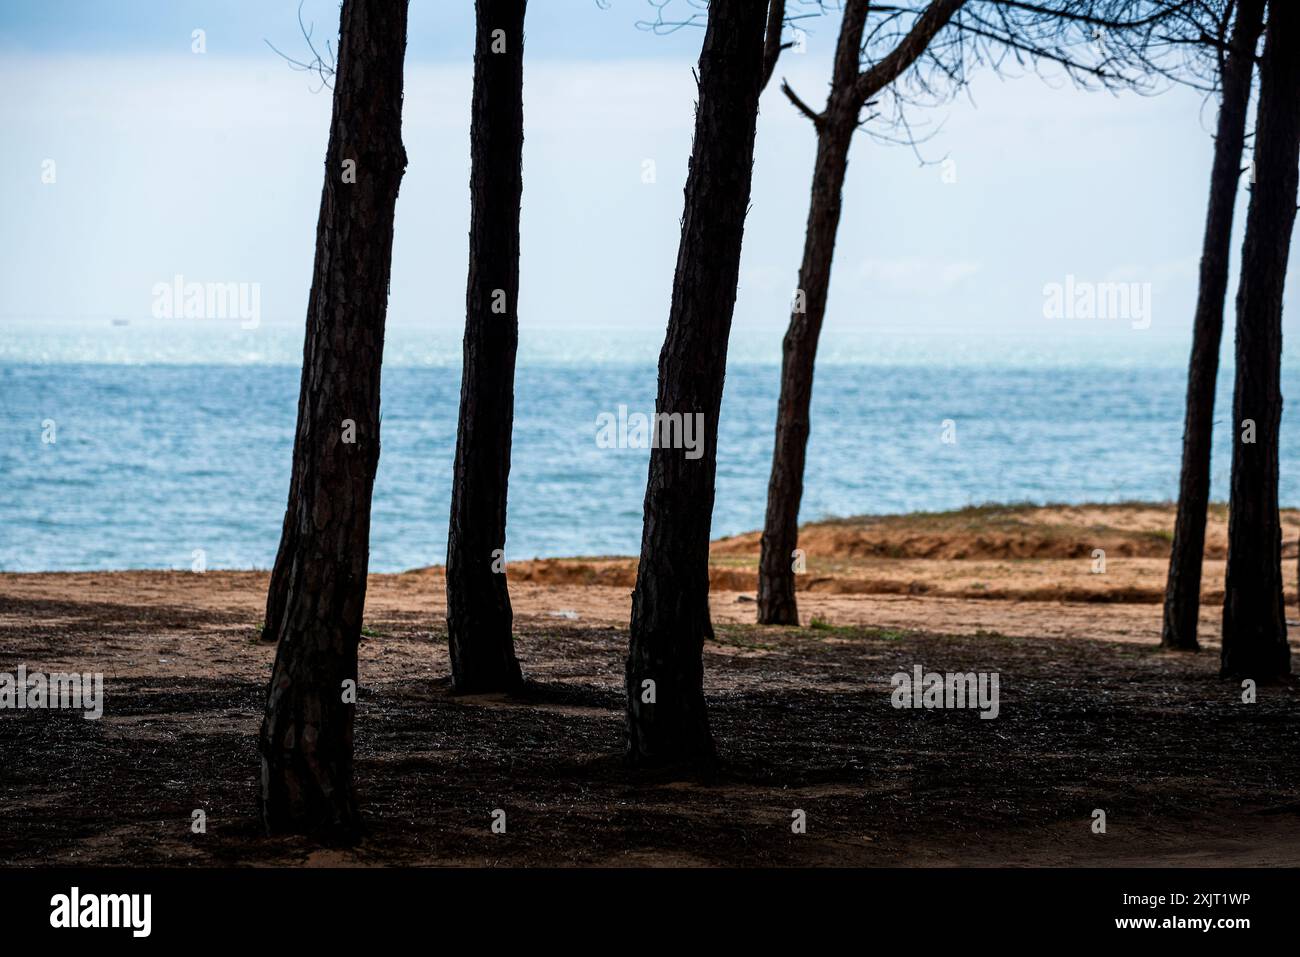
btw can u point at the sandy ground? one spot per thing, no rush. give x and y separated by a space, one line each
1093 714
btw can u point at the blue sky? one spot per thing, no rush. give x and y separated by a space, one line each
209 166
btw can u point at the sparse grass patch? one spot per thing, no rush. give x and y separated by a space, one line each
865 632
741 636
745 562
887 634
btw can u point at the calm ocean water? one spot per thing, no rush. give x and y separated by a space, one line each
172 437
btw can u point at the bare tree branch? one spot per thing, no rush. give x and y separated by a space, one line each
803 107
772 45
322 65
936 15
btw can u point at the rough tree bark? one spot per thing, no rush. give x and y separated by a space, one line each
835 125
479 616
776 599
1254 621
666 718
1183 588
318 587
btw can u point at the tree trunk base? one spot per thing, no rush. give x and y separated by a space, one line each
482 647
672 730
335 823
1264 666
505 679
1172 641
778 613
303 790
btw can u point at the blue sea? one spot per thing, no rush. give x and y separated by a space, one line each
173 437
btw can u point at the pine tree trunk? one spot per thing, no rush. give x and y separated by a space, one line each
776 576
1183 589
479 616
666 718
1254 621
314 607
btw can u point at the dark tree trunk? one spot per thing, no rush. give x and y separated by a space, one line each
670 605
1183 589
850 89
1254 622
318 587
776 576
479 617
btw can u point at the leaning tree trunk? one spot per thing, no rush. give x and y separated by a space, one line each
1183 589
776 571
1254 622
479 617
850 90
314 609
666 718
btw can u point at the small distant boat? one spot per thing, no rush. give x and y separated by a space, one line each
120 322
